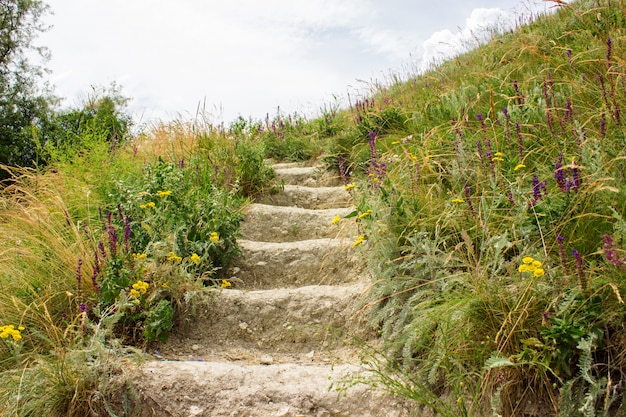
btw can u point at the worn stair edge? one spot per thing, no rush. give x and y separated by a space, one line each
284 390
291 264
310 197
313 176
281 321
268 223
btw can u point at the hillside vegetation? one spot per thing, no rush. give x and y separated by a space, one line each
490 195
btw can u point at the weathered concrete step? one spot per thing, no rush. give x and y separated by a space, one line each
183 389
267 223
313 176
278 322
292 264
310 197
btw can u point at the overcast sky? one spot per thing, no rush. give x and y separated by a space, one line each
247 57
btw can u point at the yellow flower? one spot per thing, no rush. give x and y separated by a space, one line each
140 286
138 256
164 193
358 241
214 237
365 214
395 142
174 258
497 159
458 201
518 167
195 258
536 264
164 285
10 331
349 187
539 272
149 204
226 284
498 154
336 220
412 157
134 293
523 268
528 260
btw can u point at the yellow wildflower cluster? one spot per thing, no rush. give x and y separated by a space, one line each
497 157
226 284
365 214
349 187
532 266
518 167
10 331
139 287
214 237
138 256
336 220
164 193
195 258
174 258
458 201
358 241
149 204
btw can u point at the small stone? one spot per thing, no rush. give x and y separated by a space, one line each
266 360
310 355
261 263
195 347
243 325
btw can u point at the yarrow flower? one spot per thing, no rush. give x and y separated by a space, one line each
214 237
335 220
164 193
174 258
10 331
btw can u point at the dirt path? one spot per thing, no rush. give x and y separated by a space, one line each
273 346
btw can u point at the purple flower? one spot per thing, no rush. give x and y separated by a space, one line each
559 174
609 49
79 276
559 240
102 250
611 252
569 58
84 308
580 269
539 190
94 279
467 191
342 170
520 141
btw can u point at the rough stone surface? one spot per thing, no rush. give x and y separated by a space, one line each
280 342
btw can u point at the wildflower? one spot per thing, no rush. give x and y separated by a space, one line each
528 260
164 193
134 293
174 258
214 237
226 284
497 159
536 264
195 258
140 286
523 268
611 252
395 142
498 154
336 220
559 240
10 331
365 214
349 187
138 256
149 204
358 241
342 170
518 167
539 272
458 201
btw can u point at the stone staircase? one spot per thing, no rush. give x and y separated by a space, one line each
273 344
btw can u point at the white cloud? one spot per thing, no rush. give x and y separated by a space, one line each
479 25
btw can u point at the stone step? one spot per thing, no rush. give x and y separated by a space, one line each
177 389
313 176
310 197
267 223
290 324
290 264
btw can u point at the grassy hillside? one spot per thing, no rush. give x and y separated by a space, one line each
490 197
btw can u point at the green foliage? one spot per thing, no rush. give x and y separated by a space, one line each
159 322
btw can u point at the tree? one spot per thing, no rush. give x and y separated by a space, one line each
23 103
